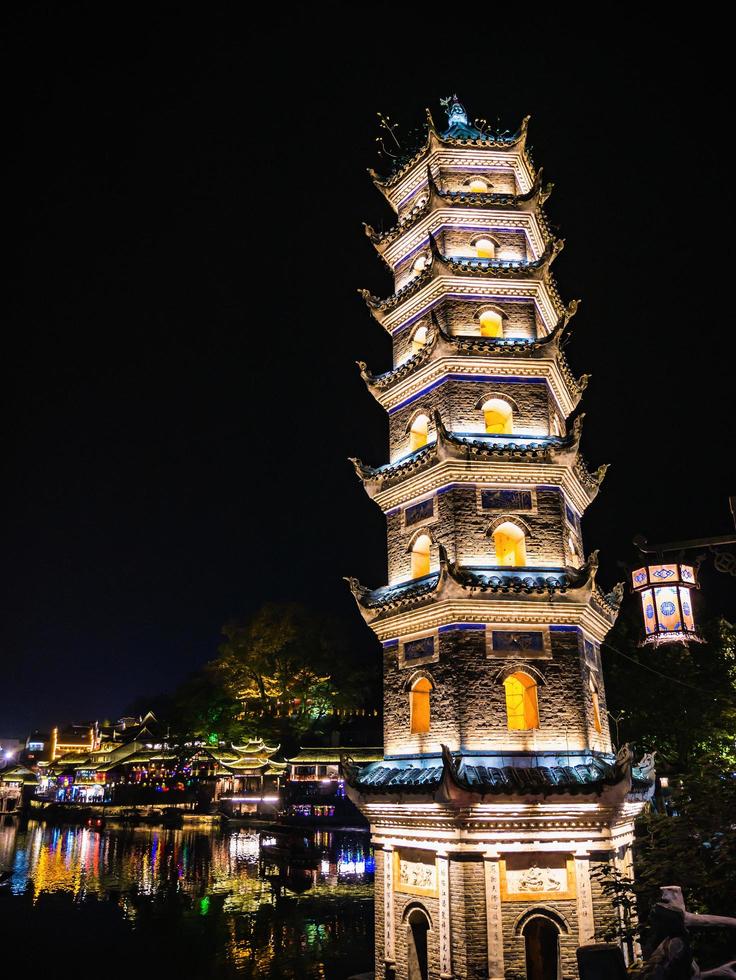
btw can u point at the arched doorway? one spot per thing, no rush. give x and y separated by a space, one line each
541 939
417 927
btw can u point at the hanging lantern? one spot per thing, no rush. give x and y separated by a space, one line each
666 602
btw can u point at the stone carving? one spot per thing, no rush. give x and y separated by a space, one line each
415 874
537 880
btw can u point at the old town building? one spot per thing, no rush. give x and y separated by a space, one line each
499 790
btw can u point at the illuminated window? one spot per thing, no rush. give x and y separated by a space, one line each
556 429
522 709
420 263
498 416
491 324
596 707
477 185
573 549
420 556
418 432
418 340
419 706
510 542
485 248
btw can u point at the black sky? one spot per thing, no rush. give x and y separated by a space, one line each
181 351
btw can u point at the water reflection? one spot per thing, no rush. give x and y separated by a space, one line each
192 903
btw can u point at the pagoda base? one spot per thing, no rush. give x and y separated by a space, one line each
492 890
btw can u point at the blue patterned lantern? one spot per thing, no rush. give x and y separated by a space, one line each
666 602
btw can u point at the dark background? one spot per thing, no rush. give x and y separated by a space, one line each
181 351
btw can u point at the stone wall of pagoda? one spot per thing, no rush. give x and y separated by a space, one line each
459 404
462 518
468 702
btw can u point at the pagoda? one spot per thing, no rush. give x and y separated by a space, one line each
499 791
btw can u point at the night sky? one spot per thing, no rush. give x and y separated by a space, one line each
181 348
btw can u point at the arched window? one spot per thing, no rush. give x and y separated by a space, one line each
499 416
417 959
419 339
420 263
542 948
596 707
485 248
556 428
573 549
419 706
522 709
491 324
477 185
510 544
420 556
418 432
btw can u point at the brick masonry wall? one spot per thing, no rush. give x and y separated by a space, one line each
468 704
461 317
462 525
468 916
431 905
460 406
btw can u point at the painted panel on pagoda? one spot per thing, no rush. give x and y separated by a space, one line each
443 878
478 219
494 920
586 921
468 702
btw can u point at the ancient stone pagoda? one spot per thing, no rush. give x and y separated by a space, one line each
499 791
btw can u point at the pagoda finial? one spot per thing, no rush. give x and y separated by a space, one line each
455 110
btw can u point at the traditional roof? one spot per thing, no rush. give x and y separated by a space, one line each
18 774
467 779
441 344
455 580
458 133
532 199
453 445
331 755
460 266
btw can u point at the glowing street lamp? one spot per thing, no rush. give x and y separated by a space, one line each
666 602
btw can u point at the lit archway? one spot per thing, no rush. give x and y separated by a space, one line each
420 556
417 929
485 247
510 545
542 948
498 416
491 324
420 263
418 432
522 706
419 706
477 185
419 339
596 707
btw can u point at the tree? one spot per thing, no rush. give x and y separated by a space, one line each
289 669
687 707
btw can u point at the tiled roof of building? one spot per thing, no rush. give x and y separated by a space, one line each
326 755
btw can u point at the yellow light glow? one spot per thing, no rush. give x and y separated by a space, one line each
510 543
522 710
491 324
418 340
418 432
477 186
419 706
485 248
498 415
420 556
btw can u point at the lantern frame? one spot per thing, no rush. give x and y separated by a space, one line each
666 602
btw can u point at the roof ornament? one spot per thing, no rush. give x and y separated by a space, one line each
456 114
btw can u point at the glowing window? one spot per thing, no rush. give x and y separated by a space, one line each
491 324
418 432
418 340
556 430
596 708
420 556
485 248
510 543
477 185
499 418
419 706
420 263
522 709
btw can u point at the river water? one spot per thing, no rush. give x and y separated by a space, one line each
150 902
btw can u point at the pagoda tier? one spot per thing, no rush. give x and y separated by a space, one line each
499 783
